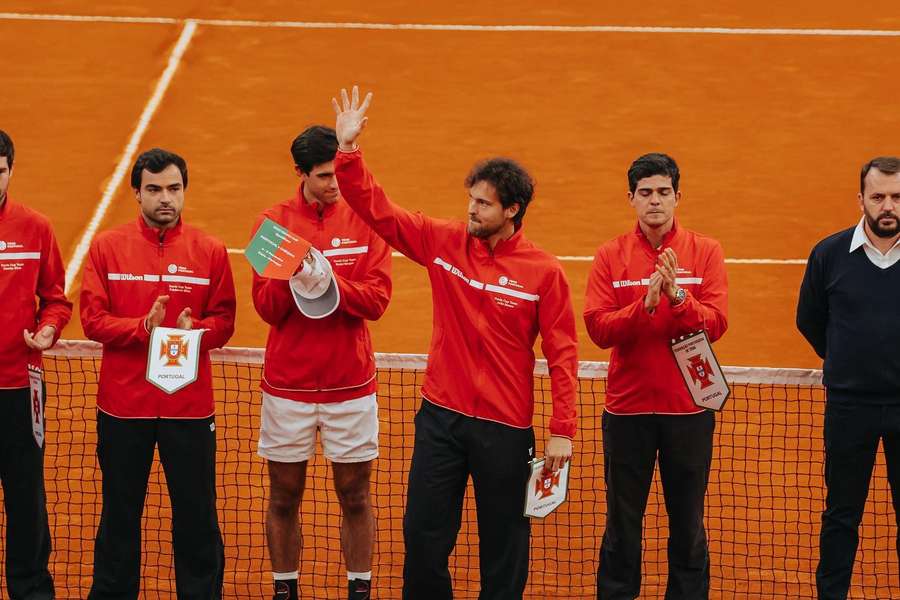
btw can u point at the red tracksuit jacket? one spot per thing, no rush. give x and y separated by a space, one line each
127 269
30 266
643 375
488 309
328 359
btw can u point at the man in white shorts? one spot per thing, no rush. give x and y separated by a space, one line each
316 318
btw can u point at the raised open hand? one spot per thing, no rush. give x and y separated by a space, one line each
351 117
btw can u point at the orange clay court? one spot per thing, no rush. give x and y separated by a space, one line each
769 129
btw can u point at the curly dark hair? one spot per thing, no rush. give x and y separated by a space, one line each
513 183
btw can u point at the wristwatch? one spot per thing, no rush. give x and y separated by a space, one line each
680 296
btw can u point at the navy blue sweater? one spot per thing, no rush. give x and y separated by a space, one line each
849 311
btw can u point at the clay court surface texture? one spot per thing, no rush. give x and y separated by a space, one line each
769 108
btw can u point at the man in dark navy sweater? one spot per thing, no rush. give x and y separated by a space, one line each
849 311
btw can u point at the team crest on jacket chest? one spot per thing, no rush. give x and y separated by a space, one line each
174 269
10 245
12 256
182 279
510 293
345 251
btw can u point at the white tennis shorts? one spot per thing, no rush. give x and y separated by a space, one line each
349 429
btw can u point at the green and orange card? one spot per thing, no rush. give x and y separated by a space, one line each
275 252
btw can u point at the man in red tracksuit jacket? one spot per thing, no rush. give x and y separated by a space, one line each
30 267
156 271
493 292
645 288
319 371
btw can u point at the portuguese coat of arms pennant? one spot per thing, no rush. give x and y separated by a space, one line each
36 389
701 371
545 490
173 358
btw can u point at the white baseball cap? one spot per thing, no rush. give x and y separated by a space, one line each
314 287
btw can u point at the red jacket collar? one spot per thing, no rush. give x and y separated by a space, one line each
310 210
667 239
503 247
156 236
4 209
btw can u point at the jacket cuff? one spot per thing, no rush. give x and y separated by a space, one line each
143 334
562 428
57 330
681 308
342 156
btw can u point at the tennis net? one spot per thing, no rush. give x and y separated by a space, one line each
765 495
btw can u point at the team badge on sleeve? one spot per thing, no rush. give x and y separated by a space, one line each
174 358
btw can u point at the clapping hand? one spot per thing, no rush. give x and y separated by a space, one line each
651 300
667 268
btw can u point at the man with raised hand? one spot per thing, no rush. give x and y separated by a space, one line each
655 283
156 271
849 313
493 292
31 269
319 371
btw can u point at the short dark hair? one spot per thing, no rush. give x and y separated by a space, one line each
888 165
156 160
648 165
316 145
513 183
7 148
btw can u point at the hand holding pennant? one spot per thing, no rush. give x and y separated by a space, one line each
36 389
546 490
274 252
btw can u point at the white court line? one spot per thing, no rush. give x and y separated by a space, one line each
728 261
87 18
765 261
776 31
128 153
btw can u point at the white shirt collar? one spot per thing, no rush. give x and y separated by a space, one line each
860 238
882 261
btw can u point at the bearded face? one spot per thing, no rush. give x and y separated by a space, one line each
880 203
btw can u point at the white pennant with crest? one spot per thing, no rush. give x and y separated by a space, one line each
174 357
545 490
701 371
36 389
